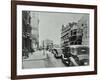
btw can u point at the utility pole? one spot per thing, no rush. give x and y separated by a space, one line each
43 48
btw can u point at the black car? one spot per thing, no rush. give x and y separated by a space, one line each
65 56
82 54
57 52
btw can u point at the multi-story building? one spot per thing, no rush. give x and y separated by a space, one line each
47 44
65 35
34 22
76 33
30 34
71 35
26 32
84 25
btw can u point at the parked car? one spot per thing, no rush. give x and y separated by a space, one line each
57 52
82 54
65 56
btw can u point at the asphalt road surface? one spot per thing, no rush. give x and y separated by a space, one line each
41 59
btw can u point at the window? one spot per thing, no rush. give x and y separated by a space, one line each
74 32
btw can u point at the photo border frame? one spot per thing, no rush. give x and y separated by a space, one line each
14 39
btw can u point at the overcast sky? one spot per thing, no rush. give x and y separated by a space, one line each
50 24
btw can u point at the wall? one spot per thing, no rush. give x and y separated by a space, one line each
5 41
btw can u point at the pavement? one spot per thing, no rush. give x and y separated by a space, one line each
41 59
36 56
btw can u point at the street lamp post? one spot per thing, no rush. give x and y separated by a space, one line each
43 48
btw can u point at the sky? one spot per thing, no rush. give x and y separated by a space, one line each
50 24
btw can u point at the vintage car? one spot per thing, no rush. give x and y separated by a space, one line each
57 52
82 54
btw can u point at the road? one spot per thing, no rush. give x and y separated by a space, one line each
41 59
